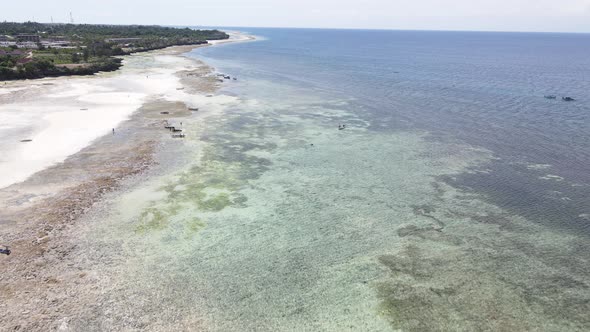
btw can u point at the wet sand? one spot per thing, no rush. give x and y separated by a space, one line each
40 285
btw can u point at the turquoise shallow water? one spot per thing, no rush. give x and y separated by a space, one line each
281 222
485 89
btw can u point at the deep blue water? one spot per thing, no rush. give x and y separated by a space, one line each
484 89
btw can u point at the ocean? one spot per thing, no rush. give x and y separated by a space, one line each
483 88
375 181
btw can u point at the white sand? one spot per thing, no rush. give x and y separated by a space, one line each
57 126
234 36
67 116
4 91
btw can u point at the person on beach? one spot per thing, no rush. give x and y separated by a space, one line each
113 131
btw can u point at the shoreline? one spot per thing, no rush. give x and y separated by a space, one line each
71 112
37 213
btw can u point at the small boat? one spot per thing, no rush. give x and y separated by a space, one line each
6 251
550 97
176 130
209 96
194 109
164 112
567 99
169 127
26 140
235 79
178 135
179 88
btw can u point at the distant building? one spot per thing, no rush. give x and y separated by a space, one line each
55 44
56 38
122 40
23 37
27 44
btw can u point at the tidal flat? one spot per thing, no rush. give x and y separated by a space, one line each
277 220
267 217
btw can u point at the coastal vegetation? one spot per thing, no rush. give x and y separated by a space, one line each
36 50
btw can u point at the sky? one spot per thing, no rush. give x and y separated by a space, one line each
486 15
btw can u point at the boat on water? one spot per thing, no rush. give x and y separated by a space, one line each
194 109
567 99
550 97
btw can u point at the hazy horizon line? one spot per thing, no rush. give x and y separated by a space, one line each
312 28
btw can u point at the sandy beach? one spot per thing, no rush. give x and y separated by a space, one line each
42 122
67 142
